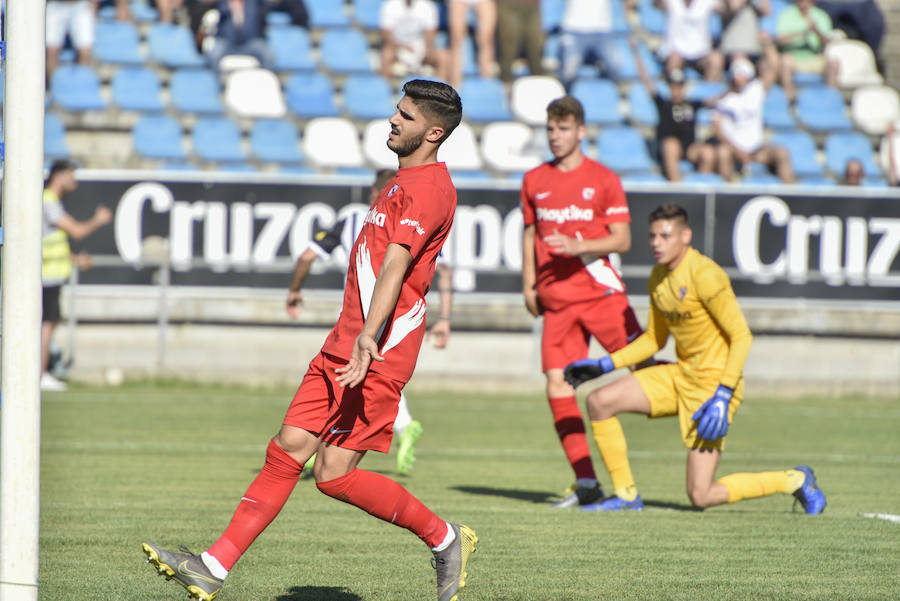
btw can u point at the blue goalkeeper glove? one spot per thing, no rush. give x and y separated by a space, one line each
579 372
712 416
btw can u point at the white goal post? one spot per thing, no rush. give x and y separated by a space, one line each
20 294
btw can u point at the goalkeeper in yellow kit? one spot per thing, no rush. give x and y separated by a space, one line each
690 298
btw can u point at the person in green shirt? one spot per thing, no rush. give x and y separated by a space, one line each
801 34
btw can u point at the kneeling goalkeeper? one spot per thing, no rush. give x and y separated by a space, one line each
691 298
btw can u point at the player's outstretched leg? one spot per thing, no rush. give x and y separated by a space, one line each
186 568
406 452
450 562
809 495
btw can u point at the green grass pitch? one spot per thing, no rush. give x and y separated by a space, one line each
170 462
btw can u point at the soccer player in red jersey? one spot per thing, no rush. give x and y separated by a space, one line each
348 398
575 216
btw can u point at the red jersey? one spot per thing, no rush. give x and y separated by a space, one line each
414 209
580 204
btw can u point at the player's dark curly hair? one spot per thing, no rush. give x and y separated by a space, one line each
565 106
670 210
439 101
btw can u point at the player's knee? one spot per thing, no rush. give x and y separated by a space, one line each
700 498
600 404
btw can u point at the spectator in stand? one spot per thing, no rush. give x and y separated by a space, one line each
58 226
859 19
203 16
801 33
241 30
854 173
688 41
519 24
77 18
893 172
741 33
485 36
738 123
408 32
166 9
677 123
586 34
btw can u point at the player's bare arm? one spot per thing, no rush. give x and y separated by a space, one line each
439 333
618 241
301 270
396 261
529 273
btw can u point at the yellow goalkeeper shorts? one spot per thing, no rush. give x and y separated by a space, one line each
673 392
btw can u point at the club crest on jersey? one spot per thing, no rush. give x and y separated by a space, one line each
587 193
392 190
682 292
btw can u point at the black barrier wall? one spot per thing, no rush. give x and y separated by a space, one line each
781 245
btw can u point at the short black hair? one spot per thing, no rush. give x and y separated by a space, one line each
439 101
59 166
670 210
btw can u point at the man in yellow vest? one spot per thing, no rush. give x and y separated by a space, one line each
58 226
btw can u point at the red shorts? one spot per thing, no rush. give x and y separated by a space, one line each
360 418
609 319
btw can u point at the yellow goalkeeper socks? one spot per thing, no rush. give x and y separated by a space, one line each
610 440
795 479
754 485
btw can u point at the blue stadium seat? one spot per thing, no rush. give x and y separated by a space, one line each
276 19
816 180
802 149
158 137
620 21
808 79
117 42
275 141
623 64
552 13
623 149
55 145
76 88
291 48
137 89
310 95
195 91
841 147
218 140
368 97
702 89
484 100
644 177
142 12
367 13
296 169
326 13
821 109
777 110
875 181
173 46
653 19
763 179
642 109
345 51
600 98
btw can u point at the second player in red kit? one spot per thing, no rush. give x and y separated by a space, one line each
575 217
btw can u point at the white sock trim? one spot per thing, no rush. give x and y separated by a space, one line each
216 568
451 536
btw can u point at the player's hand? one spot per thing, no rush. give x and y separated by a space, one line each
83 261
364 352
560 244
293 303
102 214
439 333
531 302
579 372
712 416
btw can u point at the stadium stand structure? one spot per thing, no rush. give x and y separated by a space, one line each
328 71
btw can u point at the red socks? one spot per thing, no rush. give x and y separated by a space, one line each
258 507
387 500
570 429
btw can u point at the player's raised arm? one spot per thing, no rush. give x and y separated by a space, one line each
396 261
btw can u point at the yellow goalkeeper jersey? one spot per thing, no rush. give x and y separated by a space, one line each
696 304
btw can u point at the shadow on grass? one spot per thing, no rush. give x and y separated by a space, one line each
534 496
672 506
318 593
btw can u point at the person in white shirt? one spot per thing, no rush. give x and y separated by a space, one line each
738 122
586 34
408 31
688 41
